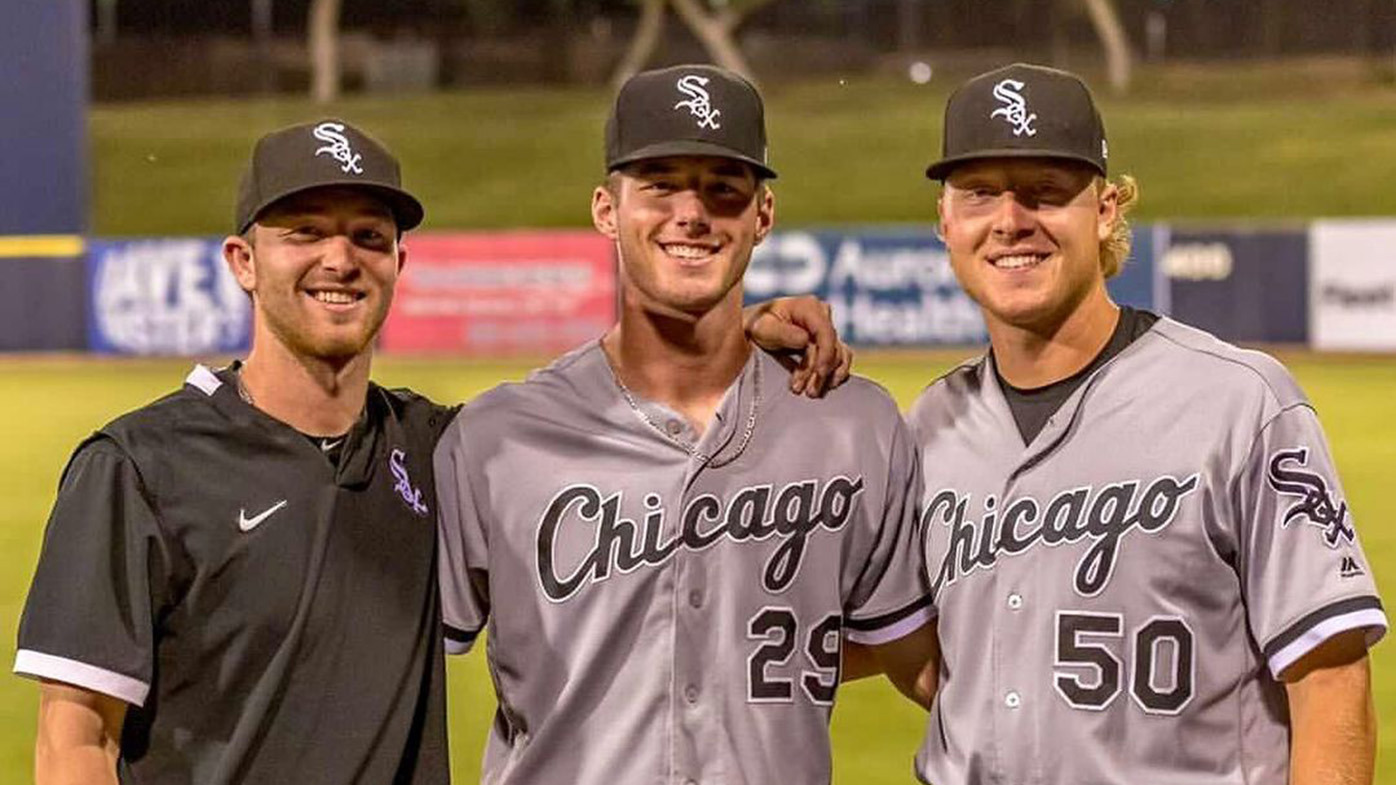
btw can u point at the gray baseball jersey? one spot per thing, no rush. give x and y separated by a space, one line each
1117 598
664 607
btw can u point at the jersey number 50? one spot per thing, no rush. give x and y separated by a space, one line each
780 631
1161 641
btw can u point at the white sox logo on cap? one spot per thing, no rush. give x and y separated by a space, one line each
1015 108
338 146
699 103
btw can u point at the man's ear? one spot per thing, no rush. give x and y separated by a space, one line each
1107 211
765 213
238 255
603 211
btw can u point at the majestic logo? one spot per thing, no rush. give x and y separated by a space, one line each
337 146
248 524
1015 108
412 496
623 545
1349 568
699 103
1073 515
1316 506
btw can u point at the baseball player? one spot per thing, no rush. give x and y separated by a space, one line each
1143 564
234 582
667 545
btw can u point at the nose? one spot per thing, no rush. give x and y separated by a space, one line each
691 212
337 254
1013 218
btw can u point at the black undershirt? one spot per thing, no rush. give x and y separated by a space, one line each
1031 408
330 446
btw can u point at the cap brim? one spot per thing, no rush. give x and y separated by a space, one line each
407 211
942 168
691 147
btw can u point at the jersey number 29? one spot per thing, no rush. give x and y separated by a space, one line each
779 630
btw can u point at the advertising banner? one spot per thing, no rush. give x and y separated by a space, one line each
164 297
505 293
1352 288
1239 284
887 287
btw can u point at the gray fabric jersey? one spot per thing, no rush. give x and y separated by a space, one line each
665 608
1116 599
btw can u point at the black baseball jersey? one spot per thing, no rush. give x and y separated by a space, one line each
269 616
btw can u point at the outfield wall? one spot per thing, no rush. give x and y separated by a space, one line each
1330 285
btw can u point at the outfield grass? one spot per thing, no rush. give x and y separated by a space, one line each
57 402
1286 141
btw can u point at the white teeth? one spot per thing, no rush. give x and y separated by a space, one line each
1016 261
687 251
335 298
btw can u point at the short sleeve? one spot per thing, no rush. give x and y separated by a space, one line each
463 552
892 595
89 617
1303 572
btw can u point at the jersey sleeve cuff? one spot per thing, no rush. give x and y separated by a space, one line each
1309 632
459 641
38 665
891 626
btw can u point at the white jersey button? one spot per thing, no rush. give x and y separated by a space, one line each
695 598
675 427
690 694
1015 601
1012 700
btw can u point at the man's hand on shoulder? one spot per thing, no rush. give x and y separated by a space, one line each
801 324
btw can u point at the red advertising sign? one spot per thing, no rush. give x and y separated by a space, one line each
502 293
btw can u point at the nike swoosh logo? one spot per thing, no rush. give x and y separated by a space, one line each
326 446
248 524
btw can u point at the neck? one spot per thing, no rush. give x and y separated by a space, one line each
1037 355
686 362
314 396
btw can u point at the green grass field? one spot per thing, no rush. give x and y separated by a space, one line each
58 401
1290 140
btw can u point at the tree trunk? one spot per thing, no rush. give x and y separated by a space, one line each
714 30
324 50
1118 60
642 46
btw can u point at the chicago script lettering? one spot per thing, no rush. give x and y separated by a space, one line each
623 544
1015 526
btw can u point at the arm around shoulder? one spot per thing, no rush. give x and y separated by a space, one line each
911 662
79 736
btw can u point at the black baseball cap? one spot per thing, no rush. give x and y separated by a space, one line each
1021 111
319 154
687 110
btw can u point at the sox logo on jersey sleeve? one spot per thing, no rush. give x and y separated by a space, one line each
1316 505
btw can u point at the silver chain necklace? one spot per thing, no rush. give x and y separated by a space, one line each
692 449
243 392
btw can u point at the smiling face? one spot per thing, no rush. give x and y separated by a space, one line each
1024 237
321 267
684 228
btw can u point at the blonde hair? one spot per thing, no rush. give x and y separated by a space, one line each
1114 250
